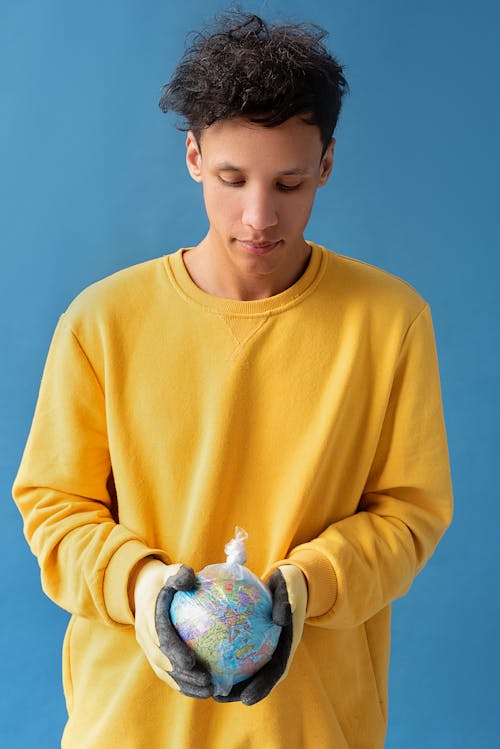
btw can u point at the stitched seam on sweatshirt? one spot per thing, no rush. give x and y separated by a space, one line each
248 336
91 366
410 326
243 344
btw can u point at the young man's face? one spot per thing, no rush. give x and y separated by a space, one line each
259 185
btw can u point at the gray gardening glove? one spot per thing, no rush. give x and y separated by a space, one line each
288 587
170 658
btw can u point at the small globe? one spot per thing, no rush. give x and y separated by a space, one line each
227 621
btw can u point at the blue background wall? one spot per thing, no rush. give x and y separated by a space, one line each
93 179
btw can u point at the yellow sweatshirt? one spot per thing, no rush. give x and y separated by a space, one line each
167 416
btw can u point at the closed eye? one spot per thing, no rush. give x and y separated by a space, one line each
237 183
241 182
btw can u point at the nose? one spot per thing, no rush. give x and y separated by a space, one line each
259 210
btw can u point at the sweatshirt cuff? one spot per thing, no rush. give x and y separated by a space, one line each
116 578
321 579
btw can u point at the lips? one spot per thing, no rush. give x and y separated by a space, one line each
258 248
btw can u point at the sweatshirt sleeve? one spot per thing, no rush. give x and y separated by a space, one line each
63 491
360 564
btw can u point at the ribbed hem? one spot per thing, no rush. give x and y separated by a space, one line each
115 586
183 283
321 580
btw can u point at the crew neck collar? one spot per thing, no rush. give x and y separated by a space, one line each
294 294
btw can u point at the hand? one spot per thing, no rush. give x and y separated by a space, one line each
289 591
170 658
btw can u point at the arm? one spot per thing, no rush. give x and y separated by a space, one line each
361 564
63 492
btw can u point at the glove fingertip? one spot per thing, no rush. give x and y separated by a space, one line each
255 692
184 579
282 612
276 580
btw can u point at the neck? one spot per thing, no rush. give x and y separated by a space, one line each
218 274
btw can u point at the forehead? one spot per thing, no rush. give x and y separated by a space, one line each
293 144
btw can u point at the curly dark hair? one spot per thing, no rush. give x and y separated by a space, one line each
243 66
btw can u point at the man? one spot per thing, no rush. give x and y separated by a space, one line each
256 379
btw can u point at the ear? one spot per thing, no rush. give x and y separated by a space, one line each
326 165
193 157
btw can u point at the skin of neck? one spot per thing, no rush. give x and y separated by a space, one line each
213 278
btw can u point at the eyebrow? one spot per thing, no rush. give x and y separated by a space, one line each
226 167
